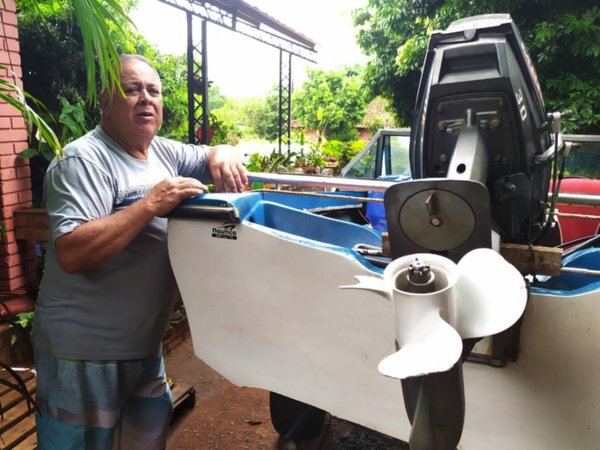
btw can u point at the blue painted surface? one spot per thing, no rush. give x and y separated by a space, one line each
311 226
311 202
376 211
285 215
300 226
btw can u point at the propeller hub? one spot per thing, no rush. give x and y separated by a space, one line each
420 278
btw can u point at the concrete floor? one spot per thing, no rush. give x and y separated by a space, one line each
228 417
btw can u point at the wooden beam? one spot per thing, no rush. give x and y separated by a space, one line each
532 259
527 259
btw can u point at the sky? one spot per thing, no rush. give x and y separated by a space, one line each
241 66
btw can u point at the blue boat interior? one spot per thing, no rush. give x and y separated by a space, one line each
311 226
291 214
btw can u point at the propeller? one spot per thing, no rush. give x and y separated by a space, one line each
438 303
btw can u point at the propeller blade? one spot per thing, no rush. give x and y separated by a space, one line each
376 285
430 345
438 303
490 294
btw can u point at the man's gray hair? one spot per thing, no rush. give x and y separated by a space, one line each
127 56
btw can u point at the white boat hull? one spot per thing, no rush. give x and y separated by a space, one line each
265 311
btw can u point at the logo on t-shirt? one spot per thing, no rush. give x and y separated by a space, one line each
225 231
132 194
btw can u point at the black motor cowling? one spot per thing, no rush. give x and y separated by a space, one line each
480 115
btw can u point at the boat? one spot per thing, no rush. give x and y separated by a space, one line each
269 278
266 311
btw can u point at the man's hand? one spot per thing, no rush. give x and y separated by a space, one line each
98 241
167 194
228 172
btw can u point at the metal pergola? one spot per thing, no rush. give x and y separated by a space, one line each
240 17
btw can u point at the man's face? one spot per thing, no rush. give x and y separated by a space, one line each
137 117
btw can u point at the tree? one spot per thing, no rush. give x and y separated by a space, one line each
102 23
173 73
96 19
47 36
262 115
562 38
332 103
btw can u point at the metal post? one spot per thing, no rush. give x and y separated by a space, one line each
204 71
190 78
285 100
289 103
197 66
280 115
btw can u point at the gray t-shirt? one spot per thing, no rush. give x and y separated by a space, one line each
119 310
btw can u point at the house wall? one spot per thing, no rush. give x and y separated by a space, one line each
17 258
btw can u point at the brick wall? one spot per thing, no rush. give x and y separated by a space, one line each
17 258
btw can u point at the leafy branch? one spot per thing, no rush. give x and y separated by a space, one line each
16 97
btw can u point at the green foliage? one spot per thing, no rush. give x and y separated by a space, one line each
216 100
261 116
274 163
24 321
332 103
333 148
48 35
383 27
44 41
312 161
226 132
16 97
343 151
563 39
101 23
173 74
355 148
567 50
229 119
73 117
72 124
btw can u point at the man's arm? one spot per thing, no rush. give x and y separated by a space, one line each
98 241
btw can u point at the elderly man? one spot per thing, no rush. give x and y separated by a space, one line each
108 289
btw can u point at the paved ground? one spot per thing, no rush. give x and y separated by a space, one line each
228 417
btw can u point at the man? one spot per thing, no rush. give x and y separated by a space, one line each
108 289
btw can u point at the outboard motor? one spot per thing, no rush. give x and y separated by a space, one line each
480 115
481 157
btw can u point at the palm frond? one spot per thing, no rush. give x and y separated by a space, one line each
16 97
94 18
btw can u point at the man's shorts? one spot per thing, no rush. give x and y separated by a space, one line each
102 405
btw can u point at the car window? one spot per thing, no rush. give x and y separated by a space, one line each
364 165
584 159
399 158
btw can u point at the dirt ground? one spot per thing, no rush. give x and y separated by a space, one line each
228 417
